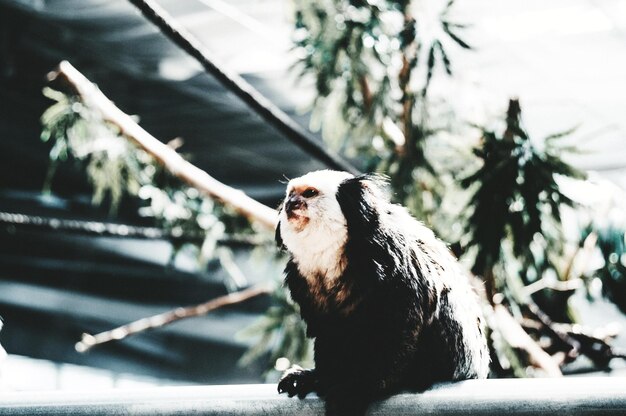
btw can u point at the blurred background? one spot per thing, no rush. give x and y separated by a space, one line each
500 124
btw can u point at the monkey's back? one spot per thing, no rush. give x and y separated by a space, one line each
432 329
453 345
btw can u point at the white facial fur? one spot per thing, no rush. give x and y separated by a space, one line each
316 237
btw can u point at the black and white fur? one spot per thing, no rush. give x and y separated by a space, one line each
383 297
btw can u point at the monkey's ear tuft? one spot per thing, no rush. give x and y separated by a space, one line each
366 186
358 198
376 184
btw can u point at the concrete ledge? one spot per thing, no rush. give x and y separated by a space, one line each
567 396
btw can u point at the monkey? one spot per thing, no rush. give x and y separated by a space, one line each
384 299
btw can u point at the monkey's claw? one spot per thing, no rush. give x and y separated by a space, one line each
298 382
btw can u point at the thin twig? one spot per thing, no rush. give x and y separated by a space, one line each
556 285
515 336
156 321
574 340
164 154
568 345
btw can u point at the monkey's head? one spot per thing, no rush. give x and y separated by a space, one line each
320 211
311 223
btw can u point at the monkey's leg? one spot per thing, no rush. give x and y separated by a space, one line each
298 381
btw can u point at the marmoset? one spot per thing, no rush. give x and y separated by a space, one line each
384 298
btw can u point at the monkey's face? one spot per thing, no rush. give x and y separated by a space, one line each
311 220
311 199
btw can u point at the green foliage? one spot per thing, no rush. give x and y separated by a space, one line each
612 244
372 68
517 199
116 167
373 63
280 333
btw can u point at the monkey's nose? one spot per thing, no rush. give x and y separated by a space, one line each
293 203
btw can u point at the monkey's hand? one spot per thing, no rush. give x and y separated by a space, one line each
298 381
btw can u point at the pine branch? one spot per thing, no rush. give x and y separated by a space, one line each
157 321
164 154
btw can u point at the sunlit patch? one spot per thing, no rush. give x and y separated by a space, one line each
282 364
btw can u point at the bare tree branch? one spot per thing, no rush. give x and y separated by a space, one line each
238 86
88 341
164 154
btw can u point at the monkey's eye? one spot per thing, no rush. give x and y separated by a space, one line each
310 193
